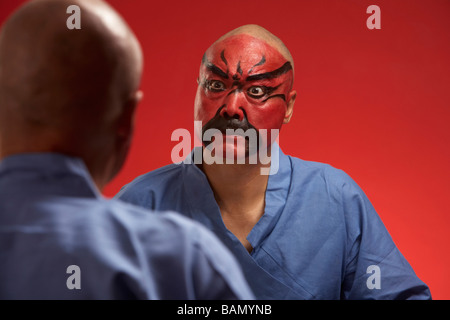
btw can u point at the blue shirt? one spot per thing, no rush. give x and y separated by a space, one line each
60 239
319 236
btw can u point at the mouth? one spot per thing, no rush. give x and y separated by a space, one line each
232 136
240 133
235 138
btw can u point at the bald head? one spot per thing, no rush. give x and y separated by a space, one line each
261 33
46 66
66 90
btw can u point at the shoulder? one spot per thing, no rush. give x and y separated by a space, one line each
332 176
139 219
186 247
165 225
164 173
141 190
180 250
167 232
333 187
342 196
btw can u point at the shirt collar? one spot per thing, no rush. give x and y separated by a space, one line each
50 165
205 209
276 196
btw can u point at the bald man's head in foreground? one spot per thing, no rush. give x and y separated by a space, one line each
245 82
69 91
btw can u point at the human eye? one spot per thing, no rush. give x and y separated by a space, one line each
257 91
215 85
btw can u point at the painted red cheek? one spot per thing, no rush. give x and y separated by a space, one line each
205 108
270 116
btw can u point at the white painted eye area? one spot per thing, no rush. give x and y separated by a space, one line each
256 92
215 85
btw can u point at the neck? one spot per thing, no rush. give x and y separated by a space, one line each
236 185
239 190
40 143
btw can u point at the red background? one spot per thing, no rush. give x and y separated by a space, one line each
375 103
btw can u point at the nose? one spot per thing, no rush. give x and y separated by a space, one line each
234 106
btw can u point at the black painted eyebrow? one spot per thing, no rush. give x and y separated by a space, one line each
262 61
216 70
273 74
238 68
222 56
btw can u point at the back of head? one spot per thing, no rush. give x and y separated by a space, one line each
65 90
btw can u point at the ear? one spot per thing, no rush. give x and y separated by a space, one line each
126 122
123 135
290 106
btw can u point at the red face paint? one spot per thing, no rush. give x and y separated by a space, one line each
244 77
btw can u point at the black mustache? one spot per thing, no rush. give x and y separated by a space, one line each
222 123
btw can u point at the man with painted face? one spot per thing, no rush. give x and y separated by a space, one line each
306 230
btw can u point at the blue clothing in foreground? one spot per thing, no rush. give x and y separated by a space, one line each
319 237
53 217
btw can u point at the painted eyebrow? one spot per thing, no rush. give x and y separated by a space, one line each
272 74
261 62
216 70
